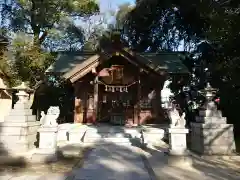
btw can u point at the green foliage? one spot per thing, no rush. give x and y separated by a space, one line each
38 17
24 61
40 25
6 69
151 25
122 14
66 39
208 29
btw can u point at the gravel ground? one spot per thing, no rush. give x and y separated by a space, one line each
63 165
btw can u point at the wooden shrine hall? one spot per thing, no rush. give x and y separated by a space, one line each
117 85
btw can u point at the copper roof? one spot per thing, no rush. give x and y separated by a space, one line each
70 63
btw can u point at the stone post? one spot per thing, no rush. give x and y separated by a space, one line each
18 132
48 136
211 135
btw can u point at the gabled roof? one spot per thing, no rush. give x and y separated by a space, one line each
70 64
67 60
171 62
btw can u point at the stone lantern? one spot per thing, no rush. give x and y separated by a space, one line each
209 112
23 93
19 129
210 133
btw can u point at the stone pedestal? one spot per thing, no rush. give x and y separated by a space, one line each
48 138
212 138
177 141
47 151
178 154
18 132
48 133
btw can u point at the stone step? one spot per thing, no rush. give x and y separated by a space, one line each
100 138
112 134
107 135
105 143
108 139
19 118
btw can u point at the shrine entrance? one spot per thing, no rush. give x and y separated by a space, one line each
117 87
117 107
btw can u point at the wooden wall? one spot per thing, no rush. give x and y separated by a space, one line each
146 107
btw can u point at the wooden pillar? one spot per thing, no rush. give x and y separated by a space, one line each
95 99
157 104
137 107
139 100
78 114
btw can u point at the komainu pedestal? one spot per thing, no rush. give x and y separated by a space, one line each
47 151
211 135
18 132
178 154
177 141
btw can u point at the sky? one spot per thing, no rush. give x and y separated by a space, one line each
112 4
105 7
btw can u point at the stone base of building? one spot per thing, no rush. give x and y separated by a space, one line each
212 139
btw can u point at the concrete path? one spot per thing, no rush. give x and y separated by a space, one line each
119 162
33 177
109 162
201 168
113 162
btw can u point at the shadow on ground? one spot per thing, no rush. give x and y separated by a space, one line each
201 168
6 160
122 161
68 157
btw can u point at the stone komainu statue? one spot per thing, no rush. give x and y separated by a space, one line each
177 121
50 119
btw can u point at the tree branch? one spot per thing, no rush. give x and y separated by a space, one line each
43 37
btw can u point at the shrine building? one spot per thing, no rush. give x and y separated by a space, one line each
117 85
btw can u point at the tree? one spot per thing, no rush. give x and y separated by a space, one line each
38 17
209 29
93 29
34 22
5 66
122 13
67 38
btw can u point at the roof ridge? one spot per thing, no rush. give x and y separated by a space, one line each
177 52
76 52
